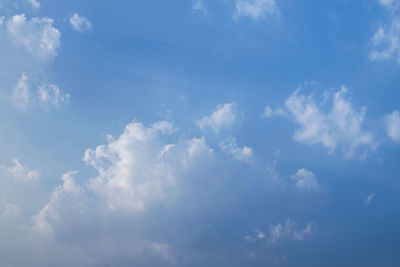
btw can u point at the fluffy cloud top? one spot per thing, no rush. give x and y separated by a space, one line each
223 117
37 36
254 9
79 23
340 125
130 179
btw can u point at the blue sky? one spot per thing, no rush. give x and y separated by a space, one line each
199 133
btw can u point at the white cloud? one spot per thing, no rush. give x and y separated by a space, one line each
254 9
137 168
223 117
47 94
304 232
198 6
369 199
287 231
79 23
49 214
51 94
392 122
230 147
20 172
21 96
37 36
2 18
305 179
340 125
34 3
269 112
386 40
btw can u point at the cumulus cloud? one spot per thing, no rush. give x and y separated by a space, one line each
38 35
230 147
122 170
223 117
68 192
392 122
340 125
153 197
305 179
254 9
79 23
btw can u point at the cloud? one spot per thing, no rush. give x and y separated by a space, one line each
369 199
305 179
230 147
19 172
287 231
269 112
61 194
198 6
46 94
122 169
393 5
21 96
51 94
392 122
154 197
386 41
254 9
223 117
304 232
34 3
337 126
80 24
37 36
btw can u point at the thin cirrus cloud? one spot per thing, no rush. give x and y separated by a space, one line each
254 9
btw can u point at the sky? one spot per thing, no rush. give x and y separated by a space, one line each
199 133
